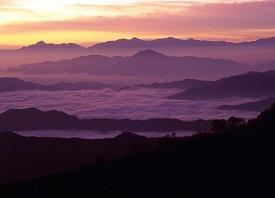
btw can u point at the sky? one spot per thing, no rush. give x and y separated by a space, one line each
24 22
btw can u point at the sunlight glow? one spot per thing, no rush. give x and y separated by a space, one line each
123 17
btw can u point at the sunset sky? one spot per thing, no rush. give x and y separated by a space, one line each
24 22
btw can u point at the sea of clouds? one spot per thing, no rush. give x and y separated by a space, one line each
119 104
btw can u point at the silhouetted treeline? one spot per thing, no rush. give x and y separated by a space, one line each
236 162
24 158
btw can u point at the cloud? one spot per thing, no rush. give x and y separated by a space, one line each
210 16
235 21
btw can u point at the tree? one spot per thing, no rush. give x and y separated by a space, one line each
234 123
219 126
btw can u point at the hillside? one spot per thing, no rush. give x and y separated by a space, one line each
15 84
181 84
237 162
257 106
146 63
30 157
35 119
252 84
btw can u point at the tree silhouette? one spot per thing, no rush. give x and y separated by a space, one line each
219 126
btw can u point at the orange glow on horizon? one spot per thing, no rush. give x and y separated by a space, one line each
25 22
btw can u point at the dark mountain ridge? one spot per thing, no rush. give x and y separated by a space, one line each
252 84
180 84
15 84
35 119
30 157
257 106
237 161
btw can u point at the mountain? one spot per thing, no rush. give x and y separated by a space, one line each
181 84
25 158
35 119
163 42
257 106
236 162
252 52
40 52
174 42
262 41
147 63
59 120
15 84
41 45
84 64
266 65
252 84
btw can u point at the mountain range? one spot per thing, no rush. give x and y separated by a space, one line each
257 106
41 45
147 63
180 84
31 160
35 119
15 84
237 161
136 43
252 84
260 50
174 42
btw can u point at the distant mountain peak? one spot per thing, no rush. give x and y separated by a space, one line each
135 39
31 109
41 43
270 40
148 53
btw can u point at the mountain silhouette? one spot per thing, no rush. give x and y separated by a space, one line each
174 42
253 52
146 63
41 45
252 84
15 84
35 119
236 162
257 106
181 84
263 41
149 54
30 157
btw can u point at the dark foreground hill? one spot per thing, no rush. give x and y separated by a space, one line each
252 84
29 157
35 119
237 161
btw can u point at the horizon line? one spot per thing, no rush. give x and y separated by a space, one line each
92 44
